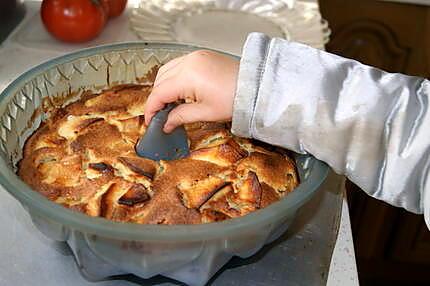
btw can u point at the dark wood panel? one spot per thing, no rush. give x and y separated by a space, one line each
392 273
373 223
370 42
376 32
411 240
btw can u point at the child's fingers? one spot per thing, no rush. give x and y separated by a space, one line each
167 76
182 114
165 70
169 91
170 64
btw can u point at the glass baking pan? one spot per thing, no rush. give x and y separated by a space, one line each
103 248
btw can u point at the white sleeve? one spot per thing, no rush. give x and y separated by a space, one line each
370 125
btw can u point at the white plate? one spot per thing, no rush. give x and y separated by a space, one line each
224 24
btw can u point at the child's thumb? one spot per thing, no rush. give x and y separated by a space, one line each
182 114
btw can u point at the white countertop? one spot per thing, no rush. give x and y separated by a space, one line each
343 267
23 50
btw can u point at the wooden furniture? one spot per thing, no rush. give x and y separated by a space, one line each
392 245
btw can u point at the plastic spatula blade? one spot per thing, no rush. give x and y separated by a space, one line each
157 145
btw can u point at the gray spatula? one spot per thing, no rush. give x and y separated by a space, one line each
157 145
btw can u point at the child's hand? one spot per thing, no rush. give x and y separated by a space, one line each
207 82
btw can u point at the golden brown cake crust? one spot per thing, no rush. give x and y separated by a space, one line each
83 157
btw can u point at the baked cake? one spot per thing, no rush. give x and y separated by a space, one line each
83 158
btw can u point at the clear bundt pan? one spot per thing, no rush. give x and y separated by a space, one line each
103 248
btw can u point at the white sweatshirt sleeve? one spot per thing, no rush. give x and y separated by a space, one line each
370 125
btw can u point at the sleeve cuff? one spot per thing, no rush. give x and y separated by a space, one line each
252 65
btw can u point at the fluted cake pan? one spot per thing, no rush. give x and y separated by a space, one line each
103 248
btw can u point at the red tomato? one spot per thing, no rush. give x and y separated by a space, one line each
114 7
73 20
105 5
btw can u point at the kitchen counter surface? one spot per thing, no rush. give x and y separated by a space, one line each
24 263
